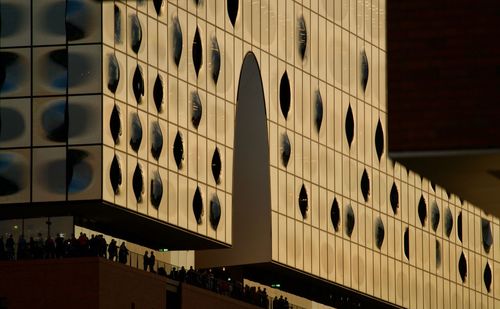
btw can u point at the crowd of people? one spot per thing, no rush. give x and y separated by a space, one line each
59 247
217 280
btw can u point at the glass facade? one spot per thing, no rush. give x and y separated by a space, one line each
138 110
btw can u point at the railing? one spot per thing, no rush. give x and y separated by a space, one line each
136 260
205 280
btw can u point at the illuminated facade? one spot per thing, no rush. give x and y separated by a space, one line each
183 111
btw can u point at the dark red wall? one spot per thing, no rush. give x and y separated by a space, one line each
97 283
443 74
79 283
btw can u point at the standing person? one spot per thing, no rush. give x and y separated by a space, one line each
2 248
32 248
59 246
50 248
21 248
112 250
145 260
103 246
9 247
73 248
123 253
152 260
39 245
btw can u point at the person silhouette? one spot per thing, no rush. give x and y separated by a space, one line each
145 260
152 260
123 253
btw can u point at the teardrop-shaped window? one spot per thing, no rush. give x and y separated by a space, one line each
286 149
318 111
335 215
462 267
156 140
232 10
349 220
349 126
394 198
365 185
158 4
113 73
448 222
379 232
196 109
486 234
115 175
156 189
138 183
364 70
459 226
303 202
178 150
435 216
115 124
158 93
487 277
197 52
285 95
438 254
215 212
198 206
406 244
302 36
422 210
216 165
135 132
135 34
138 84
118 24
216 60
177 41
379 140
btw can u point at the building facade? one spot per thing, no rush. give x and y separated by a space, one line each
258 127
